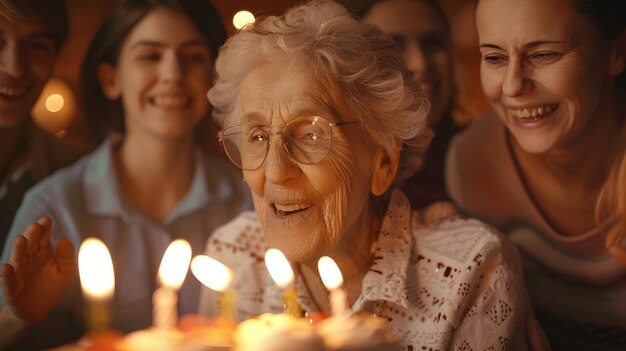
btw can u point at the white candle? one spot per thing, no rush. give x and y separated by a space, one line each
282 274
97 280
172 272
332 279
216 276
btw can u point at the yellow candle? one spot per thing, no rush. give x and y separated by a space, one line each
172 272
95 269
282 274
216 276
332 279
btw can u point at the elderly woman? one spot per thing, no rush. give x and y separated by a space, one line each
535 167
324 122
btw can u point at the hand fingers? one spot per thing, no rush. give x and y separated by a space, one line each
46 227
19 252
619 254
65 255
9 282
33 235
45 222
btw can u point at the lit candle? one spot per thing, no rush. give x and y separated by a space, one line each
95 269
332 279
281 272
172 272
216 276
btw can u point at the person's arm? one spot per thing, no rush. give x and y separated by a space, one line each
34 280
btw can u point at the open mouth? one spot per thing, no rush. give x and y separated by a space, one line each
534 113
12 92
286 210
170 101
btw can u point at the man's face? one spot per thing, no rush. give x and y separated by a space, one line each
27 58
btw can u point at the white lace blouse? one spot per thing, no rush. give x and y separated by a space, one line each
455 285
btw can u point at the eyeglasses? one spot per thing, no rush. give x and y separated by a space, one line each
306 139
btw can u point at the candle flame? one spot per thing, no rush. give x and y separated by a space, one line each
95 268
211 272
279 267
330 273
175 264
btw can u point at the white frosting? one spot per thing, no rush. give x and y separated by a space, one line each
277 332
159 340
358 333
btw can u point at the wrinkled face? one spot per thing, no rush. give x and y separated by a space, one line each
543 70
27 57
425 42
162 76
305 209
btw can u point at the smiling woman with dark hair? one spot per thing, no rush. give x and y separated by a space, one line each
146 185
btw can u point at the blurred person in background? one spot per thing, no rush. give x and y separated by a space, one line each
31 35
422 32
144 84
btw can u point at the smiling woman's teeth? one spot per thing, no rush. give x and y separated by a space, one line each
534 113
9 91
171 101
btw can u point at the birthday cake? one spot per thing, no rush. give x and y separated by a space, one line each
277 332
358 332
267 332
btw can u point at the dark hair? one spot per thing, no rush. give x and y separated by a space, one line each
53 14
105 115
609 19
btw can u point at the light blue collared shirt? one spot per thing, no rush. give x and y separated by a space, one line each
84 200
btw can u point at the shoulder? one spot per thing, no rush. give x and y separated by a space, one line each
61 182
473 265
463 241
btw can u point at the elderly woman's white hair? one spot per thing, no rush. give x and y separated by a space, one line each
359 73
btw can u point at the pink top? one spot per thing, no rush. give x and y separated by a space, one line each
483 180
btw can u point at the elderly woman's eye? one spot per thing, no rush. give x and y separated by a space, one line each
312 136
256 135
260 137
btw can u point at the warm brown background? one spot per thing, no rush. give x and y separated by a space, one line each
87 15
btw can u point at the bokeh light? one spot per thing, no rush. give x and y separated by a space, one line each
54 102
242 18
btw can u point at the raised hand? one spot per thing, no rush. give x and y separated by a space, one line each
37 277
